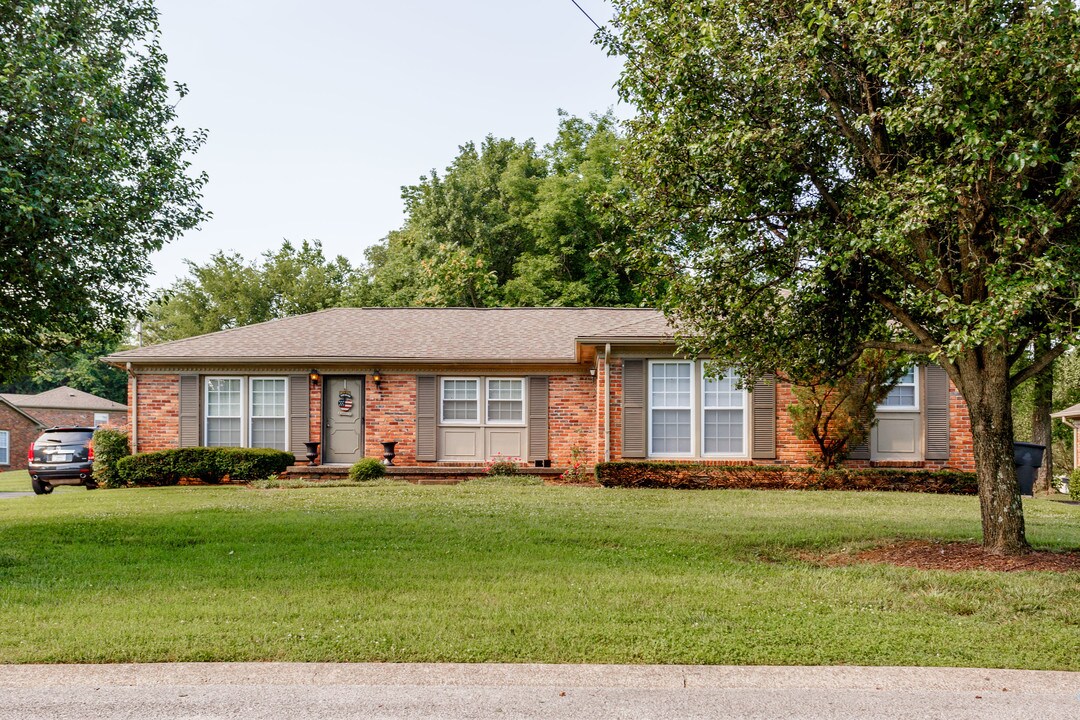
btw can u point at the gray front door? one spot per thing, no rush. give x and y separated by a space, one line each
343 419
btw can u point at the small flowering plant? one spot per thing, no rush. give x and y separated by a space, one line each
576 472
499 464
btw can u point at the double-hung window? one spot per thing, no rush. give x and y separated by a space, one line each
224 412
101 419
268 413
904 395
460 400
505 400
5 447
670 408
724 413
246 412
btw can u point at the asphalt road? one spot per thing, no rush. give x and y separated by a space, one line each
298 691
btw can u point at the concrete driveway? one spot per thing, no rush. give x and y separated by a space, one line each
298 691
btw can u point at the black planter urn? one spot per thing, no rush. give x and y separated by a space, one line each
312 452
388 452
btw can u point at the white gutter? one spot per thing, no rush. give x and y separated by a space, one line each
607 402
134 410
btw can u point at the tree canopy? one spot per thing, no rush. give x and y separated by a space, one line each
510 224
228 291
94 170
814 178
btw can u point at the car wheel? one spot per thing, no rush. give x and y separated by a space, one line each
91 485
40 487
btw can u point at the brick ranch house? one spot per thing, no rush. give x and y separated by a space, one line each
456 386
23 417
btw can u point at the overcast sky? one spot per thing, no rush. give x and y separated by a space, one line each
319 111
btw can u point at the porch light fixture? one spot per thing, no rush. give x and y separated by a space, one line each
314 377
376 377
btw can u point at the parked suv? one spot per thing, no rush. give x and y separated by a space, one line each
62 456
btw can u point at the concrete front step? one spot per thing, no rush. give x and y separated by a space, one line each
418 474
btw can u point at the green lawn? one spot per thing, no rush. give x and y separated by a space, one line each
515 573
19 481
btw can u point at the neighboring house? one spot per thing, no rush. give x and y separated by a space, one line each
17 430
67 406
23 416
1071 417
459 385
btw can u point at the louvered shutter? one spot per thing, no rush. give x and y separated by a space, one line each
189 410
538 418
633 409
936 412
862 450
299 424
426 402
763 418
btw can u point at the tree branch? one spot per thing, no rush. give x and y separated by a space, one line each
1038 366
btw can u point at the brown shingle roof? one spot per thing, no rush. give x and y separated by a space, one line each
1069 412
64 398
408 334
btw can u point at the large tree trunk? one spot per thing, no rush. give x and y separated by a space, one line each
984 381
1040 417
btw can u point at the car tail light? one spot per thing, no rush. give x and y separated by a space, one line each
30 453
90 451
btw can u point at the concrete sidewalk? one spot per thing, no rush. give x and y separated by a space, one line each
593 692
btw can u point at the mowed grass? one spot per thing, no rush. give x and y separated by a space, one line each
501 573
19 481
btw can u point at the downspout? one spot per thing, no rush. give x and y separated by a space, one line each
607 403
134 410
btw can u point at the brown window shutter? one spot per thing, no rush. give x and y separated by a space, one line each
936 412
538 418
763 418
426 403
862 450
299 426
189 410
634 436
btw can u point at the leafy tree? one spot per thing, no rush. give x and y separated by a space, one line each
508 224
836 412
76 366
907 171
228 291
94 171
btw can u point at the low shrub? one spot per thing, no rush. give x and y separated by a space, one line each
366 469
777 477
502 466
1074 484
208 465
109 447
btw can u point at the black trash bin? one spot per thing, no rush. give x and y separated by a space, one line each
1028 458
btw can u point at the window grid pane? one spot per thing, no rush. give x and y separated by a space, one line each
223 398
268 433
5 448
505 400
223 432
460 400
723 432
669 403
903 395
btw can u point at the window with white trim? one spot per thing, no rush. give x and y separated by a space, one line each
5 447
460 400
670 407
268 413
224 412
904 395
724 415
101 419
506 400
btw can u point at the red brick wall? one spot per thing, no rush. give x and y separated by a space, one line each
391 415
315 412
21 432
84 418
789 449
158 412
572 407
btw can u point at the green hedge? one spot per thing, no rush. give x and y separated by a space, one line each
109 447
777 477
208 465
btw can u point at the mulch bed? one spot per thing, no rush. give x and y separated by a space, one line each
955 556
